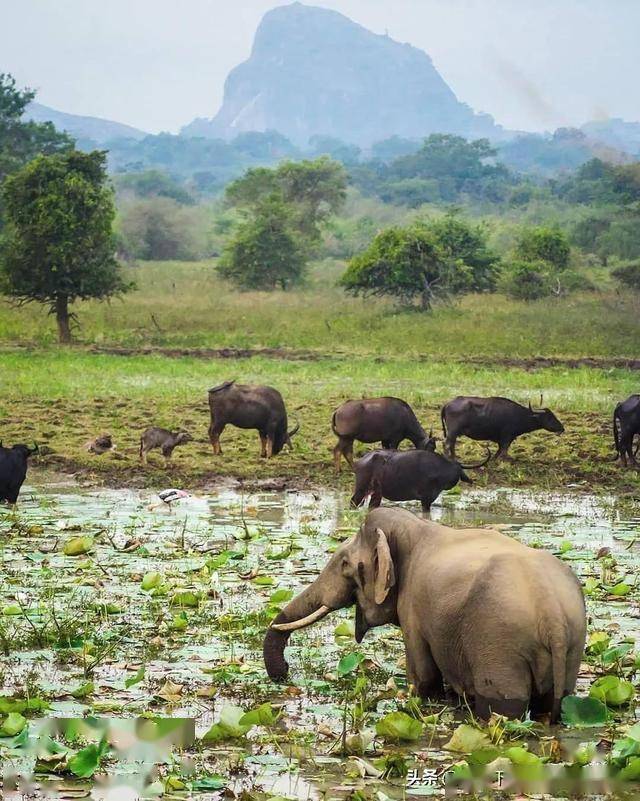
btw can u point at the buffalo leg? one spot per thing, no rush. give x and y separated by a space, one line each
426 506
503 449
450 444
269 453
214 437
263 446
348 452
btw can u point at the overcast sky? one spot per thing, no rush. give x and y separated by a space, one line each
157 64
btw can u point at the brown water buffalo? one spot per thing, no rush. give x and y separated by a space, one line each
501 623
248 406
407 476
626 424
385 420
13 470
498 420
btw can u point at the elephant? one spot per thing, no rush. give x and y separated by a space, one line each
501 623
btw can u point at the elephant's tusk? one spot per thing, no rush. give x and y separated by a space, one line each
304 621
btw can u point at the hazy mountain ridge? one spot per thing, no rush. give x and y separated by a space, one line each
94 129
313 72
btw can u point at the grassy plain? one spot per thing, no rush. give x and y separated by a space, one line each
326 348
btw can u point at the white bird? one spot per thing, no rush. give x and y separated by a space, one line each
169 496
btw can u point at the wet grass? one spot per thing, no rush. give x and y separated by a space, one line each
62 399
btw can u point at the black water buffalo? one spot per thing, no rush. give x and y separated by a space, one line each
498 420
407 476
385 420
247 406
13 470
626 424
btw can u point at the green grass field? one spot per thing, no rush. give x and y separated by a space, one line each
184 305
62 397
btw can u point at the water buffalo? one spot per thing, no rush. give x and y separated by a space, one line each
167 441
386 420
407 476
13 470
498 420
626 424
247 406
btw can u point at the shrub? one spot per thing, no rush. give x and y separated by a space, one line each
544 244
628 275
527 280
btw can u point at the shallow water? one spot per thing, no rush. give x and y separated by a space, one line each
87 617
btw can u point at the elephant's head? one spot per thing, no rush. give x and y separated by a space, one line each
360 572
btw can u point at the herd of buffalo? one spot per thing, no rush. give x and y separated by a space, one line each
451 592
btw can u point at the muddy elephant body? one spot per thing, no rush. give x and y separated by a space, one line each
499 622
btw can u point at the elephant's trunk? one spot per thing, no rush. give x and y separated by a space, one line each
303 610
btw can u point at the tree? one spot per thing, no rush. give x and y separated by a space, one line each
401 262
21 140
544 244
466 245
58 244
265 252
527 280
161 229
628 275
430 259
313 191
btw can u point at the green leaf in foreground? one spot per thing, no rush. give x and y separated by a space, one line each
466 739
263 715
612 690
13 724
87 761
229 727
83 690
583 712
77 546
136 678
349 663
399 726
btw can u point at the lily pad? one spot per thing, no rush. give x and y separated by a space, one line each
466 739
583 712
77 546
399 726
612 690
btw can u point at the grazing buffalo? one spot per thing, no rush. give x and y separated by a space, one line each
13 470
626 424
386 420
407 476
247 406
498 420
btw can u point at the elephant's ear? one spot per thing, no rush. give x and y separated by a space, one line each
384 574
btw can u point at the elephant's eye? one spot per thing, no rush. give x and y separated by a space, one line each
346 567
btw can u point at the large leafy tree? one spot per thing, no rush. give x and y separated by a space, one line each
541 243
427 260
21 140
265 252
58 244
312 191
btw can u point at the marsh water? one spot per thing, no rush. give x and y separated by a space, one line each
161 613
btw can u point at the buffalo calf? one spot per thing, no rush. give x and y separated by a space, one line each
161 438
